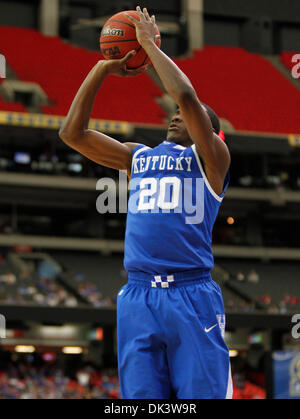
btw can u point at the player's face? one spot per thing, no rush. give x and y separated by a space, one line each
177 132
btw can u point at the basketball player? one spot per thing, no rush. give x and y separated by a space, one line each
171 317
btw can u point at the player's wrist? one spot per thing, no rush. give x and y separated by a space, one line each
103 67
147 43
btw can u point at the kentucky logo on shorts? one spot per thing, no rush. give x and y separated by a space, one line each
221 320
159 282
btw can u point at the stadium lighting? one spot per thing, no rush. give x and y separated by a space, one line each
233 353
72 350
26 349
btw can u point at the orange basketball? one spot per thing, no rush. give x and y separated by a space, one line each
118 37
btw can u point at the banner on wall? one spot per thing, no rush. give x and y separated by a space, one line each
54 122
286 374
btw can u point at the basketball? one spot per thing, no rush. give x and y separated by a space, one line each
118 37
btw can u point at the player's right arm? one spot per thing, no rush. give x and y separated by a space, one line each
74 131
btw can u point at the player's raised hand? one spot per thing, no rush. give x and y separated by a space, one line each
145 27
119 67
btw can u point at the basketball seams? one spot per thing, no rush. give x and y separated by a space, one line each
146 58
143 63
112 46
117 41
120 21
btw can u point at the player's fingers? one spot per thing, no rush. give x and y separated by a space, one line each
127 57
132 19
143 68
153 19
146 14
140 13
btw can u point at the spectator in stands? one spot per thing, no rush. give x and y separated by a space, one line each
283 307
266 299
272 309
240 277
294 300
229 305
48 269
71 301
290 299
8 278
246 307
91 293
27 382
39 298
288 303
9 299
253 276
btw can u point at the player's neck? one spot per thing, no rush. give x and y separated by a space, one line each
184 143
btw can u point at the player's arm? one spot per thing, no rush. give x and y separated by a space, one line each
210 147
95 145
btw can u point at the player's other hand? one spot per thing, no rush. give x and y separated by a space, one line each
145 27
119 67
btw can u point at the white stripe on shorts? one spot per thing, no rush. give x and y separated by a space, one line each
229 392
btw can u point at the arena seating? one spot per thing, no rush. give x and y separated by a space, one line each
96 280
240 86
92 272
11 106
237 84
60 68
31 289
235 304
22 380
86 280
277 294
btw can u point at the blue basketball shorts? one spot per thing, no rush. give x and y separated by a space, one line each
171 338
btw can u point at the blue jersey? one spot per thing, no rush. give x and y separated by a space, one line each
171 211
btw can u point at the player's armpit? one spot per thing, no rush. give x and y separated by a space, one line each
215 177
209 146
102 149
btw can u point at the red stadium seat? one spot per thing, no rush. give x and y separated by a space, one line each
245 89
11 106
60 68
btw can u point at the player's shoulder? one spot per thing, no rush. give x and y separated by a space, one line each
132 146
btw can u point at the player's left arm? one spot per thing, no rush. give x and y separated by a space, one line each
210 147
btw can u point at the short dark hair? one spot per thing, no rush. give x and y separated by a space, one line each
214 119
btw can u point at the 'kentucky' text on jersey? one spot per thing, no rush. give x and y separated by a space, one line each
171 212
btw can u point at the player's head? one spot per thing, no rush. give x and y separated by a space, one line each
177 131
